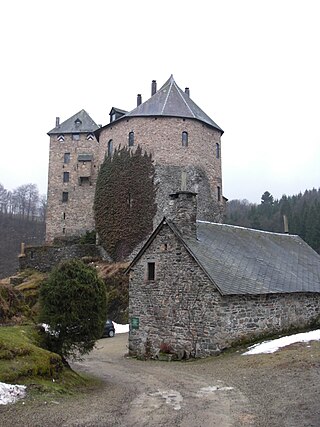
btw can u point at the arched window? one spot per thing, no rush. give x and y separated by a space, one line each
110 148
184 139
218 151
131 139
219 193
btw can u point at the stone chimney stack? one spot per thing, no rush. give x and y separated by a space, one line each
187 91
139 99
183 212
153 87
285 224
57 122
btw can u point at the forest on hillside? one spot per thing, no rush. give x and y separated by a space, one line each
302 212
22 214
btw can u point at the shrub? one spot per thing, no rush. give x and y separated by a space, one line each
73 304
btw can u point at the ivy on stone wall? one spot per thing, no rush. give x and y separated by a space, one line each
124 203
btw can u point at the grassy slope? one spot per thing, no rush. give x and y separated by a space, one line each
22 361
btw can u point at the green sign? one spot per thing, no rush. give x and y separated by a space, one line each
134 322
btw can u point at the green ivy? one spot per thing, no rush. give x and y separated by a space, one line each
124 203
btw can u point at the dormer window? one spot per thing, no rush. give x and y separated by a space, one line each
60 138
113 117
184 139
90 137
131 139
78 122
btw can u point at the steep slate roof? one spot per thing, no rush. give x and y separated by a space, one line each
87 125
242 261
170 100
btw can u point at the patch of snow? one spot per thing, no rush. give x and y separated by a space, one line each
157 399
172 398
274 345
121 329
211 389
11 393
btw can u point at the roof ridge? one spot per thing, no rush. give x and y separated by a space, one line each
165 102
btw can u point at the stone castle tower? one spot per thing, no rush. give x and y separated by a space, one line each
184 142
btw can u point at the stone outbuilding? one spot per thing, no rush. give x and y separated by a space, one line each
197 288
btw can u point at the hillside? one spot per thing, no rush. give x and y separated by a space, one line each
13 231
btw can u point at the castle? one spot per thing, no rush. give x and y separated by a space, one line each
184 142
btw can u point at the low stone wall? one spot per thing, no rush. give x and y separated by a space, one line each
181 310
44 258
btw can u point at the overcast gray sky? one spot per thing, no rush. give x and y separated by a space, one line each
253 66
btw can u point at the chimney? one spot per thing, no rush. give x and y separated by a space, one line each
183 212
57 122
153 87
187 91
285 224
139 99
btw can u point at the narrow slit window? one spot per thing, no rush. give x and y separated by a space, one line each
219 193
151 270
184 139
110 148
131 139
65 196
218 151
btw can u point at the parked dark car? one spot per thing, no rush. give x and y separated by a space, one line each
109 330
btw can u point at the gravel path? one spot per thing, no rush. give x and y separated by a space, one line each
280 389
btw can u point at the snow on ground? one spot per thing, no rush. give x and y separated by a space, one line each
121 329
11 393
274 345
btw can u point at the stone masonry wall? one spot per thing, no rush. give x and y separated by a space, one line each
44 258
183 310
75 216
162 138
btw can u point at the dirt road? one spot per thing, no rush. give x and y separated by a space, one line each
281 389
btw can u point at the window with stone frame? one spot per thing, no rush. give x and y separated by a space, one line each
66 176
75 136
131 139
151 271
65 196
217 151
184 139
66 158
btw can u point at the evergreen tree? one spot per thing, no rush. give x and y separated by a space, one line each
73 304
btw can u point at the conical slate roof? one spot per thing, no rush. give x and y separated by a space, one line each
79 123
170 100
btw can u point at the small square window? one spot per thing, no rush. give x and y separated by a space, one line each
75 136
151 270
65 196
84 180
